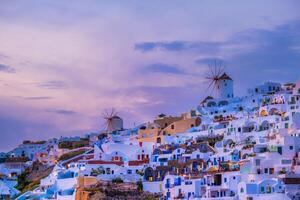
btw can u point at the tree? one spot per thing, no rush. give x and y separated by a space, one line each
139 185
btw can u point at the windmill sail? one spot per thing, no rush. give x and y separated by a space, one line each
108 116
213 77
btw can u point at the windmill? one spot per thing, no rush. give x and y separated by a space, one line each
109 115
213 77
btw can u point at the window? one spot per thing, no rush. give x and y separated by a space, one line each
172 126
257 162
225 180
286 125
258 171
179 191
291 147
285 162
262 189
266 170
242 190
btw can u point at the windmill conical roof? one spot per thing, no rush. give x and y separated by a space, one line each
225 77
116 117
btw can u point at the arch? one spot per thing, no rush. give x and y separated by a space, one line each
228 142
157 151
211 104
263 113
250 126
273 111
265 125
250 139
158 140
223 103
149 174
245 156
251 123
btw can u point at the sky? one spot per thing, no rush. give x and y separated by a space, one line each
63 62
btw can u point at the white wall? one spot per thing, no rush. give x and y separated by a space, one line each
152 186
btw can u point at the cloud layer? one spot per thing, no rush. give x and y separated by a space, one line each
62 64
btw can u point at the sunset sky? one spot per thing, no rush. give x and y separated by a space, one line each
62 62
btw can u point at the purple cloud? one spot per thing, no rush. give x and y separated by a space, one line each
36 97
179 46
6 68
53 85
62 111
162 68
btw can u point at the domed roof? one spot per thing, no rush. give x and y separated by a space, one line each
206 99
116 117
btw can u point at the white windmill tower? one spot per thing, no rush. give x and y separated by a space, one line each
112 121
220 84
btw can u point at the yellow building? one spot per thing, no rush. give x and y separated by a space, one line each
181 126
166 125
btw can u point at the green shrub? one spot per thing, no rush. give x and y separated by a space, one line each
72 154
139 185
73 144
22 180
